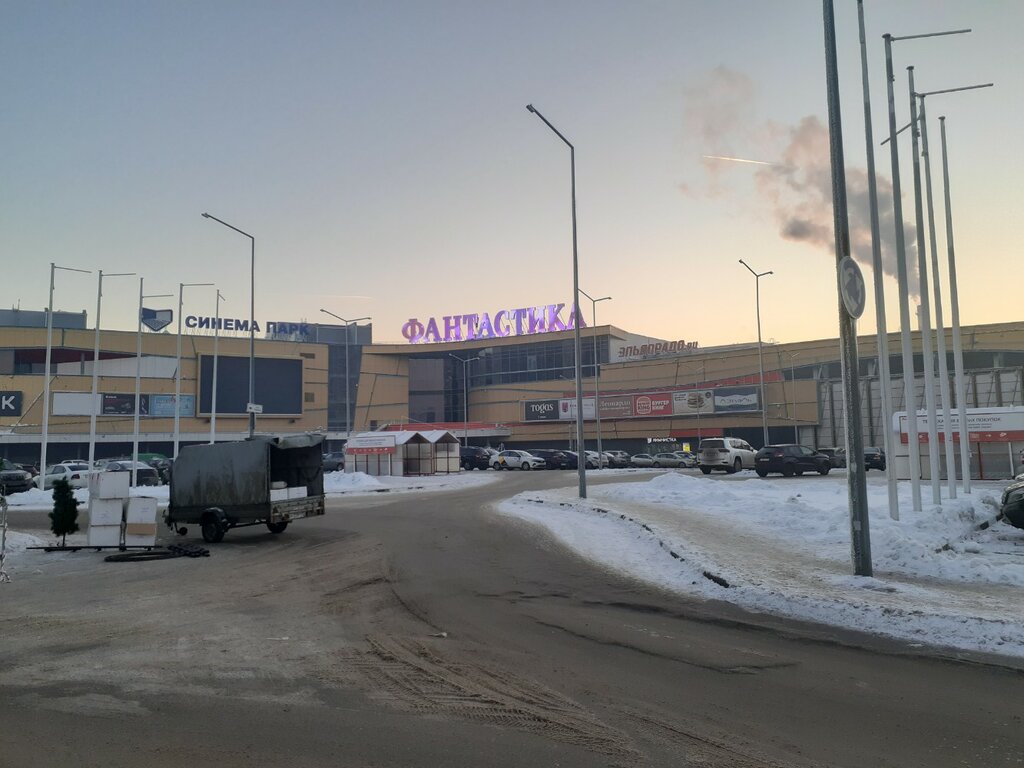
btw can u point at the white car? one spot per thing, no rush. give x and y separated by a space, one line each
77 475
666 460
729 454
594 460
517 460
641 460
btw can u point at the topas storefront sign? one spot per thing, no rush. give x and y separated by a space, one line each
503 323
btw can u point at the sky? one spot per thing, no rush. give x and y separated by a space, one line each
382 156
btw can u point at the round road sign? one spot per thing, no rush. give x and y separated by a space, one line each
852 287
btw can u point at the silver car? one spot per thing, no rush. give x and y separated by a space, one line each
667 460
641 460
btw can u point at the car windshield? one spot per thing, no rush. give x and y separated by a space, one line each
712 444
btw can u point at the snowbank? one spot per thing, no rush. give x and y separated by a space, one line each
36 499
361 483
783 547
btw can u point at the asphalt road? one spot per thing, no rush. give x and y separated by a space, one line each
426 630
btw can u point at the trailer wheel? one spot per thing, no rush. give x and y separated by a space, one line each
213 531
277 527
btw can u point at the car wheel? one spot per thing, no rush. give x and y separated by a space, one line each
525 466
798 471
824 469
656 464
706 470
761 472
787 470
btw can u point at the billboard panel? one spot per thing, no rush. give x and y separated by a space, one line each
163 405
655 404
737 399
690 402
278 385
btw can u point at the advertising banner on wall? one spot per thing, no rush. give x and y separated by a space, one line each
737 399
693 401
163 405
616 406
124 405
984 425
659 404
541 410
567 409
10 403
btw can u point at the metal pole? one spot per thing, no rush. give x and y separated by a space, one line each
465 402
213 394
881 331
792 385
597 387
910 404
940 328
856 481
958 349
95 374
46 382
252 320
252 336
177 373
348 403
138 385
95 364
760 357
581 464
924 316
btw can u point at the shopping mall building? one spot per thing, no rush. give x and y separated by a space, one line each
507 382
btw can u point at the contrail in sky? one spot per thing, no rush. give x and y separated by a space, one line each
736 159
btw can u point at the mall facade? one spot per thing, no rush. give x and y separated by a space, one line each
508 382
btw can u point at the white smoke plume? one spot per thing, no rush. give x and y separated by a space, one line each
798 182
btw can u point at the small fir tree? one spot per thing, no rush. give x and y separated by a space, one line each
64 518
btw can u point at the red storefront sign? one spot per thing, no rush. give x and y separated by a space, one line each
653 404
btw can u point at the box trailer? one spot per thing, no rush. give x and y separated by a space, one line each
261 481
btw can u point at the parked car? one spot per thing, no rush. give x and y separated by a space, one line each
641 460
555 459
32 469
618 458
334 462
729 454
164 468
686 458
1012 506
13 479
470 457
144 474
790 460
665 460
596 460
76 474
836 456
874 458
513 459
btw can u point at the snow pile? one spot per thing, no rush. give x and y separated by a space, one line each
361 483
34 498
783 547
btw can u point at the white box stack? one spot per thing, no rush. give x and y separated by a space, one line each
140 521
297 493
104 535
109 485
105 512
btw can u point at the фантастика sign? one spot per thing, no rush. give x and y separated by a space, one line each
504 322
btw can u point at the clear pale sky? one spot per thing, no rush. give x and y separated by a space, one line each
382 155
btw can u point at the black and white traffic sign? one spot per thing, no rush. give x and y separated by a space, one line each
852 287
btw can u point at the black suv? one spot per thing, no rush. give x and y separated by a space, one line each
874 458
334 462
555 459
474 457
13 479
790 460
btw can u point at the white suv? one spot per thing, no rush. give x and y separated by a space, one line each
729 454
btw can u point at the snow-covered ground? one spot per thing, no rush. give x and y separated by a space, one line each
355 483
783 547
35 499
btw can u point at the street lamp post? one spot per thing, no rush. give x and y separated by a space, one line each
792 386
46 371
177 367
760 358
252 323
910 403
597 373
96 364
213 392
348 407
465 394
581 464
138 376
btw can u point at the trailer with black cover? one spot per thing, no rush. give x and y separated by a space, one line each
261 481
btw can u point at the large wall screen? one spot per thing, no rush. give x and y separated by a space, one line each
278 385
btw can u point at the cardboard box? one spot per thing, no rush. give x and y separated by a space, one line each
139 541
297 493
104 535
140 529
109 485
278 494
105 512
140 509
